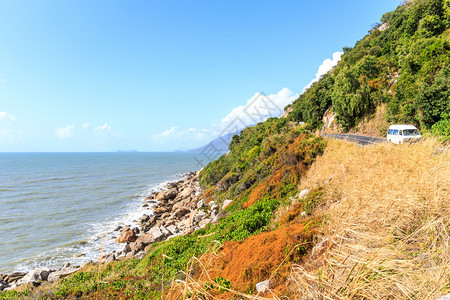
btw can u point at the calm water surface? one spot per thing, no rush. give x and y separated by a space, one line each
62 207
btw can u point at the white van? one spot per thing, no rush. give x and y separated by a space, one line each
398 134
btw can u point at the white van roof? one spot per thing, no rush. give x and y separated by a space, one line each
401 126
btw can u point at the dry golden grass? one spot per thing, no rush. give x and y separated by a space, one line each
387 210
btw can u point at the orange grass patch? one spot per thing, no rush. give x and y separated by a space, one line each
267 255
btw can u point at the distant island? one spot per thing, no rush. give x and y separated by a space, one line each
127 151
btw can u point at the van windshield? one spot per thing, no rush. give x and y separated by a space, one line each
410 132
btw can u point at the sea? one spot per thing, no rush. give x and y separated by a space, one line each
64 207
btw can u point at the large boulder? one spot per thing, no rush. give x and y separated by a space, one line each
167 195
172 229
181 212
127 235
147 238
55 276
144 219
126 249
3 285
14 277
157 234
161 210
38 275
186 192
137 246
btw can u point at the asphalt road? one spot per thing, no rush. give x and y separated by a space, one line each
359 139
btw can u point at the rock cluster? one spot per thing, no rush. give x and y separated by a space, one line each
177 210
35 277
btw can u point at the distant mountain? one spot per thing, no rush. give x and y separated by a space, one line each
219 144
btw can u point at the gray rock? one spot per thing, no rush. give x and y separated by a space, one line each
262 286
203 222
56 275
126 248
165 215
144 219
160 210
167 195
182 212
40 274
130 254
186 192
200 204
3 285
226 203
147 239
172 229
110 258
137 246
156 233
199 216
14 277
164 231
11 287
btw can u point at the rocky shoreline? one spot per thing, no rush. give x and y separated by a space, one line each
178 209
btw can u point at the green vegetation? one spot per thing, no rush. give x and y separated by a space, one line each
405 66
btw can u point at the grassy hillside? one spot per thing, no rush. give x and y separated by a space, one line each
386 234
403 63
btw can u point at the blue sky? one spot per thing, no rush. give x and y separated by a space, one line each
159 75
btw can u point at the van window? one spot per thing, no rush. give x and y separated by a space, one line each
390 131
410 132
395 131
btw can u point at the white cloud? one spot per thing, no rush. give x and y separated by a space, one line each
102 128
168 132
64 132
86 125
325 67
6 117
259 108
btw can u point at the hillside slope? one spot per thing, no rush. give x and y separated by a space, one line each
401 65
316 218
